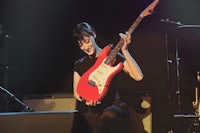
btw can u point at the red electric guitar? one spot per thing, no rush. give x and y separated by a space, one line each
95 82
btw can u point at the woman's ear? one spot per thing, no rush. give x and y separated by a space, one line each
95 36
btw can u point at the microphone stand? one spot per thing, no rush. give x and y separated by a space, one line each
167 21
178 92
168 61
178 77
25 107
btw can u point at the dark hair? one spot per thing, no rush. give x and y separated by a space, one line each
83 29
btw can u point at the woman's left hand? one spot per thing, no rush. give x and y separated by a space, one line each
92 103
126 38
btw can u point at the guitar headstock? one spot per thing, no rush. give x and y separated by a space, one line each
149 10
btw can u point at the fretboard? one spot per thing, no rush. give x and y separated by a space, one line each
119 45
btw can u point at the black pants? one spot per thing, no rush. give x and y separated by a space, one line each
118 118
110 121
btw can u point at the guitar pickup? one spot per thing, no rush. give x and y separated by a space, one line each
92 83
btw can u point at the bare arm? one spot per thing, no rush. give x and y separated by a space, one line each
130 65
76 79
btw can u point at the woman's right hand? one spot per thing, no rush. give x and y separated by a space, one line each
78 97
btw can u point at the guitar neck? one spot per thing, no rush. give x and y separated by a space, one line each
135 24
119 45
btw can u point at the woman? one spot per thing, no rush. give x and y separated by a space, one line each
110 115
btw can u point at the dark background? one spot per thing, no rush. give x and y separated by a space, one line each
37 50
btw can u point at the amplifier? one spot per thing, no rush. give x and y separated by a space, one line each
51 102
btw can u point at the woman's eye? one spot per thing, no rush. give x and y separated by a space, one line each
87 41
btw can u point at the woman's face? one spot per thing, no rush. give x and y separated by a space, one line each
87 45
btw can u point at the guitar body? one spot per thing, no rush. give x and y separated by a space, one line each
95 82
